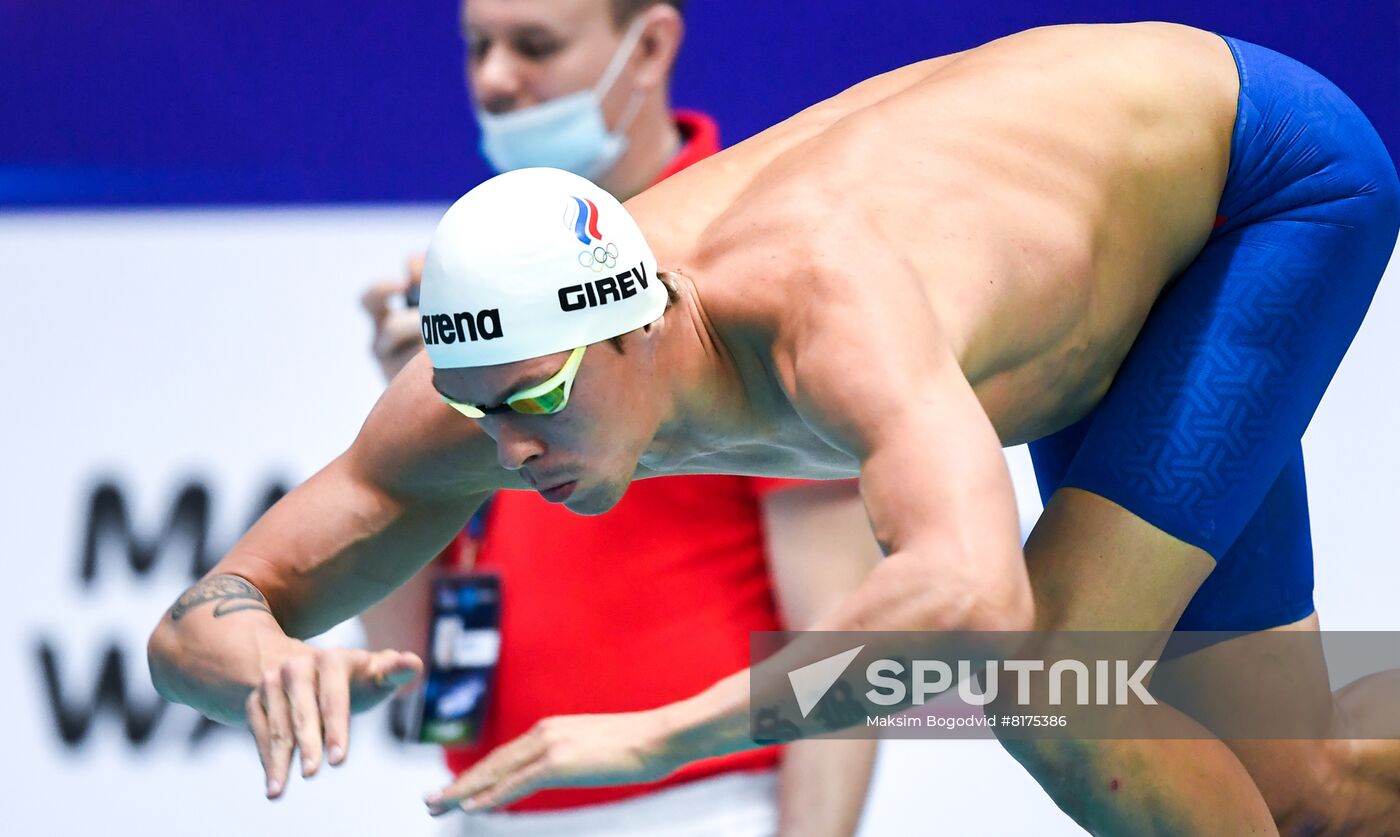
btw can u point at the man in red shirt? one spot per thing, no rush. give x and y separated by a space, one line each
654 601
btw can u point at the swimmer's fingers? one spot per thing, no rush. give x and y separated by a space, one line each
257 722
274 732
300 682
564 751
516 785
415 269
305 702
498 766
333 698
374 677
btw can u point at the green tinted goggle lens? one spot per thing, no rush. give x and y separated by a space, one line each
543 399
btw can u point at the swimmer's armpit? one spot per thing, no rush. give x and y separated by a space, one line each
231 592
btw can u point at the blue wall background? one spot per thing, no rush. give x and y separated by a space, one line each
131 102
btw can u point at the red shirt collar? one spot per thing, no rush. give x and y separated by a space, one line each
699 139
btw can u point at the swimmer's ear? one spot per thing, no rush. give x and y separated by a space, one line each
658 45
617 341
668 281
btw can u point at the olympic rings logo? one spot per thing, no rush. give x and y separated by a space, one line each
599 258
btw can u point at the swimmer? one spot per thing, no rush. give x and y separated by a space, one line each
1101 237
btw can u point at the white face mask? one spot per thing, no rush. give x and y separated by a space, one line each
565 133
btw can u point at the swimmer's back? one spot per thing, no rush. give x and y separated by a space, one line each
1078 166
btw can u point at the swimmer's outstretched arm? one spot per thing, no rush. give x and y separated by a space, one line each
230 646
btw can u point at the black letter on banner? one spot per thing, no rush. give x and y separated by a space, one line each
74 722
186 531
108 527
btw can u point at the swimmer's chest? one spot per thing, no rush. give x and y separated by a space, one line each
785 447
789 445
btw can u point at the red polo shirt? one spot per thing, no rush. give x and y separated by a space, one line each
645 605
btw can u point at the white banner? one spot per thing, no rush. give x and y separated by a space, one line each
167 376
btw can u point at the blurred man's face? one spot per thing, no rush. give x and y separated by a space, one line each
524 52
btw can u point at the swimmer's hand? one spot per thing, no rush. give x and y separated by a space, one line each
304 700
563 751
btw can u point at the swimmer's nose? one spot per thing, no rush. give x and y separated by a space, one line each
514 450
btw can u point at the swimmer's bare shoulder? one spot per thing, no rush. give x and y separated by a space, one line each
415 444
866 366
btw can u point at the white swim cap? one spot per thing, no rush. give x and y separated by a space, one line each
533 262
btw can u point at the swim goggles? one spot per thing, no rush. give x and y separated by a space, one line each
542 399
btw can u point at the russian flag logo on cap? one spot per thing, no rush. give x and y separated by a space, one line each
581 216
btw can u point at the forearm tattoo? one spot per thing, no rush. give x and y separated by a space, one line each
231 592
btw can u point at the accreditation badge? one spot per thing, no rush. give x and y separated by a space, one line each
464 645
